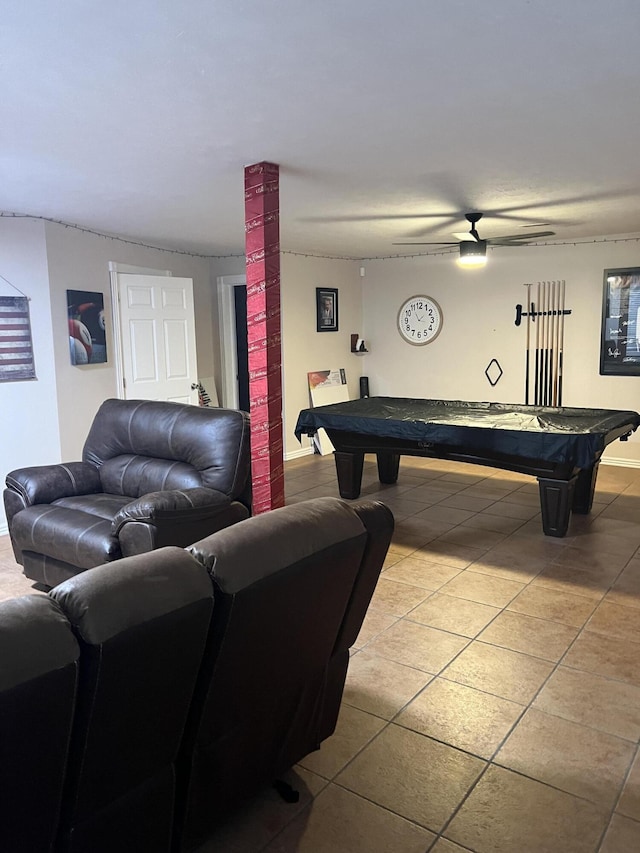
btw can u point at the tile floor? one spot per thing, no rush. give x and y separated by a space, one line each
493 696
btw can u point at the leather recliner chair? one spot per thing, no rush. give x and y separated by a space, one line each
291 589
152 474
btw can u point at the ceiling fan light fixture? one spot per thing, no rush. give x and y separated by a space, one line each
473 253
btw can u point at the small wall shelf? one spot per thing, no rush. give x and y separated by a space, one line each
358 346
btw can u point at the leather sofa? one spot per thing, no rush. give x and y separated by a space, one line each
152 474
142 701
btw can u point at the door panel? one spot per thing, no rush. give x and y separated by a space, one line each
158 337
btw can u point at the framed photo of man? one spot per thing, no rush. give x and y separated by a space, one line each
326 309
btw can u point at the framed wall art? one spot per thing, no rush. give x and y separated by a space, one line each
87 341
326 309
620 334
16 348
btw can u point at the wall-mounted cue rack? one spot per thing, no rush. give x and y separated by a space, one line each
545 342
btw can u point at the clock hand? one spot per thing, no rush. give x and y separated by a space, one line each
419 319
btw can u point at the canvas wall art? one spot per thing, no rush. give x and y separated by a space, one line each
16 348
87 340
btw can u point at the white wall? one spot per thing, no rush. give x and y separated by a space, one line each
303 348
479 314
79 261
28 410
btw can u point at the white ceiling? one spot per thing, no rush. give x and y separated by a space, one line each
137 117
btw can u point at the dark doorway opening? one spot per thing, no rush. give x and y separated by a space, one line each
242 349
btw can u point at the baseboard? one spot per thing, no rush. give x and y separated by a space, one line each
620 462
4 529
296 454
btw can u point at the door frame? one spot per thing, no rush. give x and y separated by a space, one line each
228 343
114 269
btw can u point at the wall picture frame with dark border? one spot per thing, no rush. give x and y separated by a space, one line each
85 319
620 332
326 309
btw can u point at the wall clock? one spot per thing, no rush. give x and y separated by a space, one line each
419 320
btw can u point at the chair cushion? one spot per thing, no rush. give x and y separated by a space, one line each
101 505
134 475
83 539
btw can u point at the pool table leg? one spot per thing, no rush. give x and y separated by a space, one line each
349 470
556 500
388 466
585 489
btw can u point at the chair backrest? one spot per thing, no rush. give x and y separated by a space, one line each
291 590
142 624
143 446
38 674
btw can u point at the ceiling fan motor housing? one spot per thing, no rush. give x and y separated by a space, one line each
473 249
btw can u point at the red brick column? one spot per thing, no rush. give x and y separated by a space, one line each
262 226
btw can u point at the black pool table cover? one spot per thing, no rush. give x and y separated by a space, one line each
569 436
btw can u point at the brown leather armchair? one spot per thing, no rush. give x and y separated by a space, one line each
152 474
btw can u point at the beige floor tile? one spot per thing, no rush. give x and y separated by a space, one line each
457 615
464 501
264 816
623 836
533 636
472 537
353 731
504 673
412 775
421 573
616 621
444 846
508 813
380 686
591 583
418 646
461 716
482 588
606 656
495 523
629 803
375 622
602 703
552 750
339 820
446 514
590 552
517 510
516 567
552 604
397 599
626 589
449 554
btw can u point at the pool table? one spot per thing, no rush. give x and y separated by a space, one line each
560 446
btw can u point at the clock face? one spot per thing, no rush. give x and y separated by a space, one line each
419 320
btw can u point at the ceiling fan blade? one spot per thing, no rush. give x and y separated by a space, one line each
516 239
437 243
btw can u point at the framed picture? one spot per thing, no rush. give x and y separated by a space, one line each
620 337
85 318
326 309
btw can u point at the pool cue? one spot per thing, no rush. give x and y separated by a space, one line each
545 341
526 374
561 345
537 365
556 341
552 334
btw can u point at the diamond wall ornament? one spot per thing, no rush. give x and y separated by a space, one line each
493 372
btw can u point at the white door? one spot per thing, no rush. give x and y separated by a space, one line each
157 324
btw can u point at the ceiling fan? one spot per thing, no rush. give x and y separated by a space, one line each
473 252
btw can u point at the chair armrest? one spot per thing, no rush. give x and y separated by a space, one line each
172 505
43 484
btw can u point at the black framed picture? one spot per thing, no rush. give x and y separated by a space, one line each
326 309
620 336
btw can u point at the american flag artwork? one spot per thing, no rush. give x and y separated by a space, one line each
16 350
